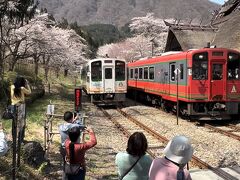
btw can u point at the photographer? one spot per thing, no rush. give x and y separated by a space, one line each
19 90
75 153
71 121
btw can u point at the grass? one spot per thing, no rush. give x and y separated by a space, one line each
60 94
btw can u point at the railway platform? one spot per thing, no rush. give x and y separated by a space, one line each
233 173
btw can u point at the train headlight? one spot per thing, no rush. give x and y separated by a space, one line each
109 96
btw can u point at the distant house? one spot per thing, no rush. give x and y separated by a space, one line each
222 31
184 37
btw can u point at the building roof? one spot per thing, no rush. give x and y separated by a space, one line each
228 35
182 40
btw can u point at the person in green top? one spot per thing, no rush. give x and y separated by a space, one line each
136 154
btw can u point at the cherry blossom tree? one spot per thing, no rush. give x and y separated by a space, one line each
129 49
152 28
52 46
13 14
150 35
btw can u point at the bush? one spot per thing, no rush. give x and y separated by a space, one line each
4 93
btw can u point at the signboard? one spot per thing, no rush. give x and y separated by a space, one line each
78 100
177 71
50 109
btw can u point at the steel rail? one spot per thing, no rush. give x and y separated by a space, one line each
195 159
229 134
122 129
232 126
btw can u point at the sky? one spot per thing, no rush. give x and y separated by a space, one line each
218 1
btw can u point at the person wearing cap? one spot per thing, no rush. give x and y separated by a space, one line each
178 153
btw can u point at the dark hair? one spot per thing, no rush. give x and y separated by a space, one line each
18 83
68 116
73 134
137 144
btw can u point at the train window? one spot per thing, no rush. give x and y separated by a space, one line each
172 72
136 73
108 73
96 71
151 73
233 66
131 73
120 71
217 72
200 66
181 69
140 73
145 73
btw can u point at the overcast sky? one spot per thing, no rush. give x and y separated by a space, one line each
218 1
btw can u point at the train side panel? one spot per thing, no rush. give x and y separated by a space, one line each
207 81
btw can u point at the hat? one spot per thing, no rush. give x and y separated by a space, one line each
179 150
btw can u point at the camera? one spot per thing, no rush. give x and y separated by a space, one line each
79 121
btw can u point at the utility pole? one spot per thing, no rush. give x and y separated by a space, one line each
135 94
177 72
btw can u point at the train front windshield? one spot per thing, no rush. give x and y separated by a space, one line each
200 66
233 66
96 71
120 71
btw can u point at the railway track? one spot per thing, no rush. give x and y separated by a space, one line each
232 126
222 131
195 160
225 132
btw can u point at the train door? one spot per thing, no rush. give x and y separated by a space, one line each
217 82
109 79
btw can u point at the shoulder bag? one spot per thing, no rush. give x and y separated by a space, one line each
121 177
72 169
8 112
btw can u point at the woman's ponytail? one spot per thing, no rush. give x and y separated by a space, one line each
71 151
73 134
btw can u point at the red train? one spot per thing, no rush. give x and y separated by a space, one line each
206 82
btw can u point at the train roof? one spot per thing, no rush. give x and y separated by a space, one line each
177 55
102 59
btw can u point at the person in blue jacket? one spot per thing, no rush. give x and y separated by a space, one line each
70 122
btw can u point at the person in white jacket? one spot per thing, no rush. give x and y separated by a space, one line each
3 142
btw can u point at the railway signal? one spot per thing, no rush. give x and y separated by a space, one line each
78 100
